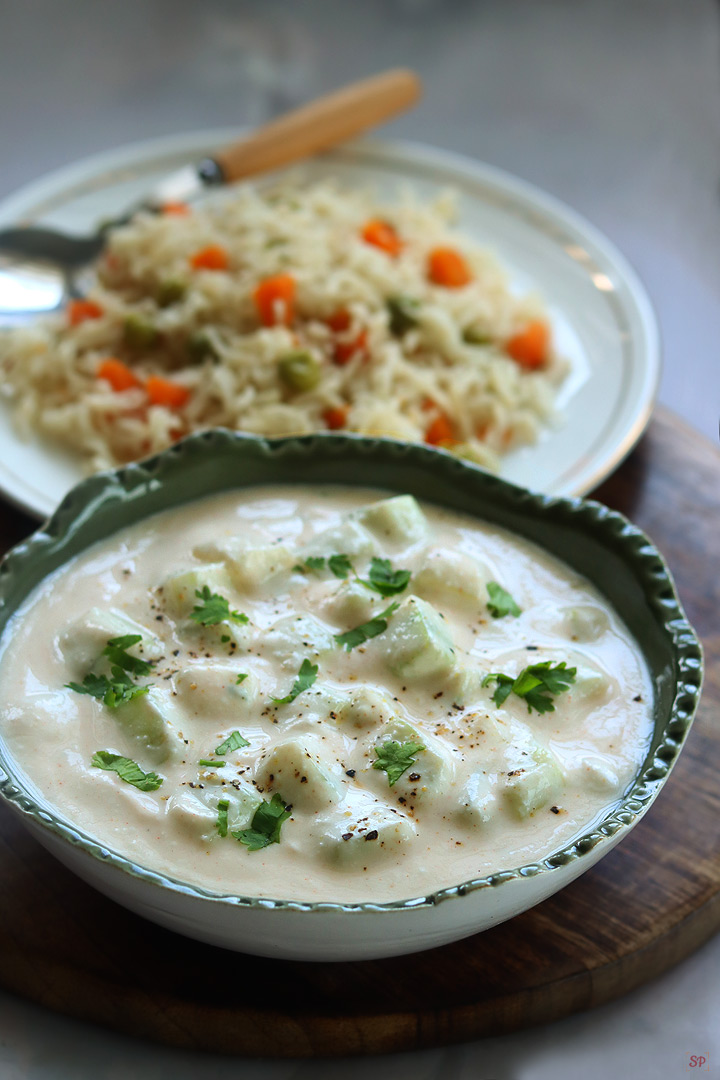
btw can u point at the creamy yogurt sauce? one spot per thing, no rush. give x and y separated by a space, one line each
396 769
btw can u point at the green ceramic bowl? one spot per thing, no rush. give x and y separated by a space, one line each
599 543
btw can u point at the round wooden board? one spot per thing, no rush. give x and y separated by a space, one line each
641 910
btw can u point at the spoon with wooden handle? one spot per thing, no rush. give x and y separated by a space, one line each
296 135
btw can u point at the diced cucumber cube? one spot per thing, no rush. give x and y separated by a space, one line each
417 643
241 795
364 829
318 704
584 623
218 549
464 685
433 766
246 692
191 814
250 563
590 685
365 707
349 537
244 801
396 521
295 638
596 772
478 803
228 638
178 593
84 640
295 769
257 566
197 813
452 577
533 784
352 604
211 690
155 721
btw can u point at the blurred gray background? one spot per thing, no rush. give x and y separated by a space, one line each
612 105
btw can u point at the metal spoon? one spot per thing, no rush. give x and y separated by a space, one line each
40 267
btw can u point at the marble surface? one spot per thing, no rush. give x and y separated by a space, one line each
611 105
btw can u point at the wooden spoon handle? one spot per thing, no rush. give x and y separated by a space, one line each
320 124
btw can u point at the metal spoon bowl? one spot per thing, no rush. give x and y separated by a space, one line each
39 271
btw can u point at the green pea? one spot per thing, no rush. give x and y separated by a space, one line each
200 347
299 370
171 291
139 333
403 314
473 335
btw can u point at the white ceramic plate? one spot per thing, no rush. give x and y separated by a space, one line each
602 318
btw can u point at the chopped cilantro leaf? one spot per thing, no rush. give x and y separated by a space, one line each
112 692
378 625
504 688
314 563
340 566
395 758
501 602
306 677
534 684
127 769
96 686
265 825
241 678
234 741
116 654
222 823
214 609
384 580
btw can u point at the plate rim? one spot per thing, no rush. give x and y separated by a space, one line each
648 343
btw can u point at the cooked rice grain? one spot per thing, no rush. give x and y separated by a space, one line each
396 386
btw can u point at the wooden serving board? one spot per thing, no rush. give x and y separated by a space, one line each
647 905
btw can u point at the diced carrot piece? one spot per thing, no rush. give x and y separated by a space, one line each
164 392
336 418
427 404
340 320
447 267
80 310
212 257
529 348
274 299
119 375
177 209
346 350
381 234
440 432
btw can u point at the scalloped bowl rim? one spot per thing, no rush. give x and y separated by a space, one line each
638 550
